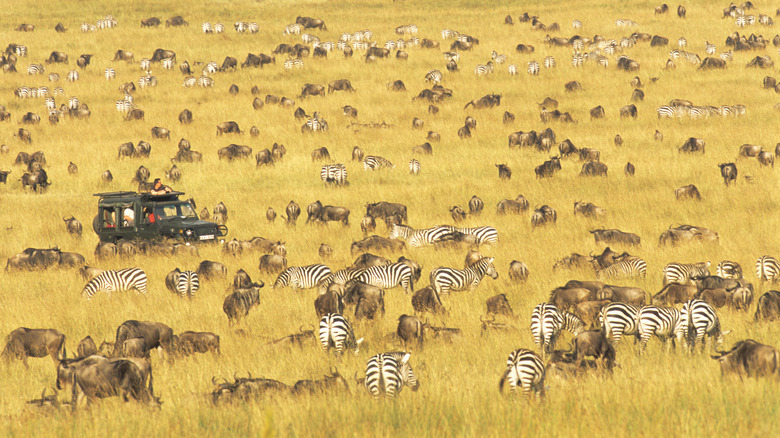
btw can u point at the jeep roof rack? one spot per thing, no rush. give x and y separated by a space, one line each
171 196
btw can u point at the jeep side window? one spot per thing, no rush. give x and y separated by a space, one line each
109 218
128 215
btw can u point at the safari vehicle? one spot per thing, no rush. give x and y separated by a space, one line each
131 216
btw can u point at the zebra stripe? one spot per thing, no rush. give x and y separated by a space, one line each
659 321
576 24
110 73
335 332
577 60
512 69
188 284
374 162
630 267
50 104
434 76
20 50
767 268
533 68
167 63
206 28
549 62
204 81
447 33
190 81
388 373
498 58
618 319
729 269
408 29
314 124
483 69
309 38
388 277
547 322
697 319
73 102
682 42
334 173
146 64
124 105
417 238
116 281
35 69
210 68
292 29
54 77
710 49
445 279
414 167
293 63
41 91
524 369
73 76
685 273
302 277
219 28
666 111
483 234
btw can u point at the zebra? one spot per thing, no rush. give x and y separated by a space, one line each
146 64
40 92
576 24
388 373
727 56
206 27
577 60
147 81
729 269
682 42
334 173
210 68
622 22
630 267
190 81
617 319
374 162
302 277
577 45
328 46
656 320
84 27
20 50
24 92
110 73
360 45
124 105
414 167
35 69
445 279
549 62
483 234
697 112
512 69
314 124
767 268
73 102
547 322
451 56
252 27
205 81
72 76
434 76
116 281
335 332
447 33
188 284
498 58
240 26
697 319
524 369
408 29
342 277
685 273
666 111
741 21
709 49
533 68
483 69
418 238
389 276
50 104
390 45
292 29
54 77
308 38
167 63
219 28
59 91
293 63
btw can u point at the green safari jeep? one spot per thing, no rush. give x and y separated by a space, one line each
131 215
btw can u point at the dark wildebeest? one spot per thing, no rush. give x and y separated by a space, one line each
593 343
423 149
427 300
135 347
340 85
312 90
57 57
548 168
768 306
658 41
228 128
729 172
331 301
567 148
370 306
504 172
588 154
272 263
123 55
24 342
325 251
31 118
208 270
333 214
675 293
383 210
367 260
710 63
330 383
499 305
693 145
161 54
320 154
154 334
487 101
588 209
86 347
611 236
311 23
176 21
628 295
238 303
628 111
516 206
749 150
73 225
230 63
543 215
377 243
687 192
566 298
518 271
185 117
367 225
750 358
410 330
766 158
108 378
629 169
4 176
135 114
293 211
150 22
191 342
71 260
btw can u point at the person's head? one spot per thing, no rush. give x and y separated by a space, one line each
157 183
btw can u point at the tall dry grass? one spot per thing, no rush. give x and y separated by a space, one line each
669 393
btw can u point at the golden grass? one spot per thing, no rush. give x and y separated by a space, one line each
656 394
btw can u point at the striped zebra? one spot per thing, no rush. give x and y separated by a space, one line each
210 68
685 273
512 69
623 22
727 56
302 277
329 46
741 21
335 332
524 369
20 50
240 26
54 77
729 269
188 284
767 269
388 373
414 167
204 81
24 92
84 27
627 43
666 111
219 28
206 27
314 124
451 56
709 48
116 281
418 238
576 24
498 58
72 76
617 319
682 43
389 276
408 29
308 38
697 319
41 92
252 27
443 280
374 162
146 64
360 45
124 105
602 61
656 320
296 63
292 29
577 45
49 103
533 68
609 50
733 110
698 112
434 76
343 276
549 62
577 60
448 33
35 69
110 73
167 63
390 45
334 174
483 69
190 81
547 322
483 234
630 267
59 91
73 102
147 81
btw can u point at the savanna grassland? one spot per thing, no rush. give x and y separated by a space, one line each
657 394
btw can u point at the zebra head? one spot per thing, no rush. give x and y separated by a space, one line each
283 279
485 266
399 231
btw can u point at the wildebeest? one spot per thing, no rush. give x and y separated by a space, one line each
123 55
331 301
766 158
597 112
572 86
340 85
692 145
504 172
57 57
427 300
237 304
675 293
86 347
629 169
73 226
768 306
135 114
208 270
190 342
135 347
750 358
499 305
312 90
729 172
593 343
228 128
548 168
367 225
330 383
108 378
31 118
161 54
383 210
272 263
150 22
154 334
175 21
687 192
613 236
544 215
367 260
710 63
311 23
24 342
410 330
518 271
377 243
588 154
593 168
512 206
487 101
320 154
588 209
628 111
658 41
687 233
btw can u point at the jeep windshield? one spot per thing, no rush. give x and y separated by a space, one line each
181 210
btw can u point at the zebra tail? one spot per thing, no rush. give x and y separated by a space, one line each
502 382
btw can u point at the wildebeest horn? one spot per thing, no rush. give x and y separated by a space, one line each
214 380
354 376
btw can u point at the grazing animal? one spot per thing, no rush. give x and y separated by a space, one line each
617 319
687 192
388 373
768 306
518 271
238 304
547 321
729 173
427 300
697 319
504 172
445 280
302 277
683 273
659 321
750 358
768 269
336 332
24 342
390 276
524 370
190 342
410 330
116 281
73 226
